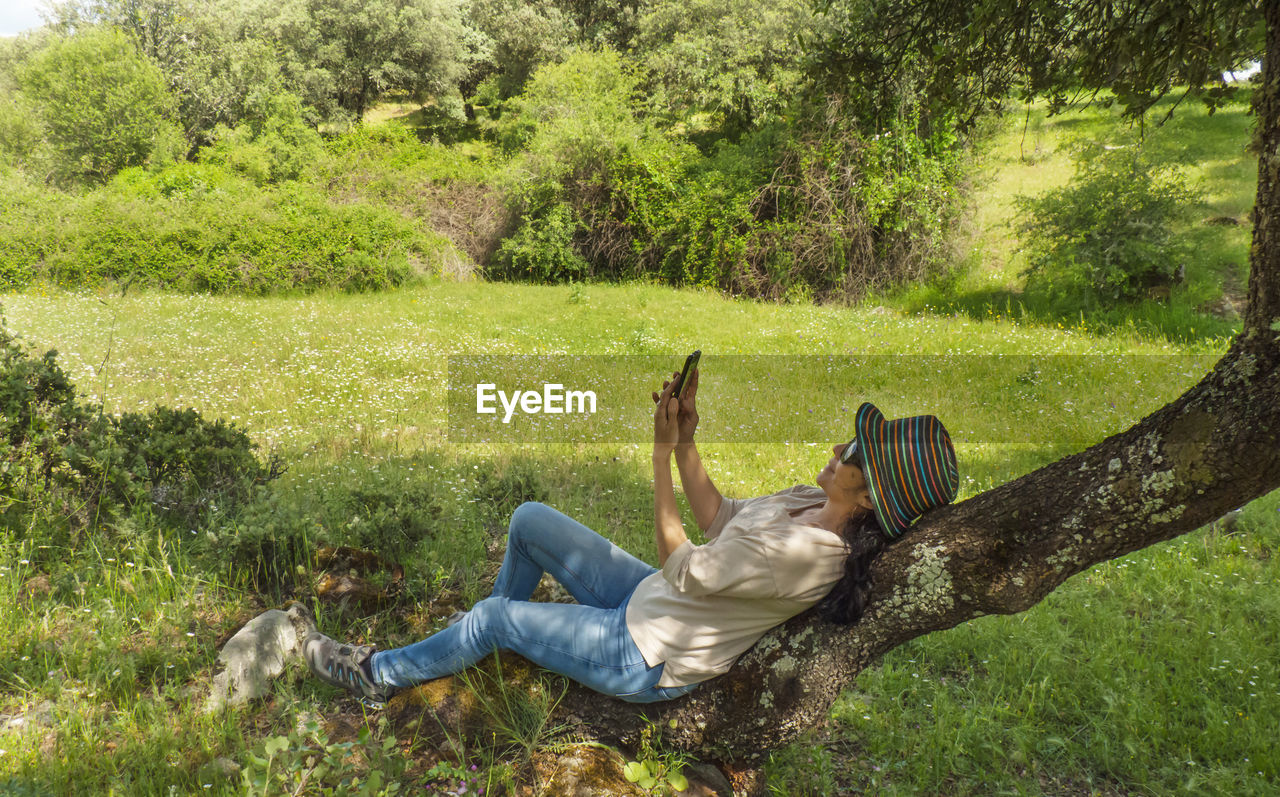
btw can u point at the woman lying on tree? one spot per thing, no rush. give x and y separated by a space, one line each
643 634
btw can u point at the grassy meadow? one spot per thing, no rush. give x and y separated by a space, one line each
1152 674
1031 153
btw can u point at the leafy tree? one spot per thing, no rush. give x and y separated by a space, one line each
603 24
519 36
102 104
966 56
1109 233
216 68
1000 552
274 143
740 60
343 55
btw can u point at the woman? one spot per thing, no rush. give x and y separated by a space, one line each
643 634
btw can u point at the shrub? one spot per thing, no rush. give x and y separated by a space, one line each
845 212
265 542
542 248
274 144
200 227
581 139
1110 233
22 135
66 467
390 520
810 209
103 105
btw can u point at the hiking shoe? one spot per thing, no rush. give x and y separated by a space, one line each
345 666
454 619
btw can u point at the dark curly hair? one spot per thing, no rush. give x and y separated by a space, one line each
846 601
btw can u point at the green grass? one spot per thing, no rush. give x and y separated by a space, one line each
1029 153
1150 674
1114 683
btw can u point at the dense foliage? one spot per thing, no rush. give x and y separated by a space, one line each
1109 233
811 208
100 106
784 150
200 227
67 468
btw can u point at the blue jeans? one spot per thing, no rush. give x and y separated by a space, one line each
587 641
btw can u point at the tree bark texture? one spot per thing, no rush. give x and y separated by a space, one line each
1210 451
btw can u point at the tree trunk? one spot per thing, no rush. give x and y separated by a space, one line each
1213 449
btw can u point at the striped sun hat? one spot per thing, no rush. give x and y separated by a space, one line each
909 464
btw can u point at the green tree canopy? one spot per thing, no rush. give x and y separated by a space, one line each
518 36
216 73
102 104
739 59
345 54
963 57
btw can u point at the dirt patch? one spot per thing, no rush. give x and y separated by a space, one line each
473 217
1234 298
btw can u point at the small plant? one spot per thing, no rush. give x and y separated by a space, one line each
542 248
306 762
656 769
454 779
499 491
1110 232
518 710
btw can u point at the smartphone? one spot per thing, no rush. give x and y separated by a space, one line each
690 363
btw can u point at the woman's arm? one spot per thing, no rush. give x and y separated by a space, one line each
703 496
668 530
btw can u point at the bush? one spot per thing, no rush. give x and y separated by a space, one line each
66 467
198 227
542 248
845 212
22 136
581 140
265 542
390 520
809 209
273 145
1109 234
102 104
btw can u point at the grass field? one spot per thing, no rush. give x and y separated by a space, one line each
1151 674
1032 153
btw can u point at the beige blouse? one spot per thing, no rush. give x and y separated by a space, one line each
711 602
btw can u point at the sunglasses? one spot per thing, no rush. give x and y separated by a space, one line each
850 452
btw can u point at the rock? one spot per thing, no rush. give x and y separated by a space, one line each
705 779
221 769
257 654
584 771
38 716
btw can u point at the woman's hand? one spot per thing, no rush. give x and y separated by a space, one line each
688 417
666 429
